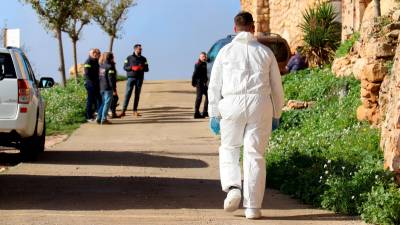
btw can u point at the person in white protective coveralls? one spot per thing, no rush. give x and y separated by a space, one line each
245 98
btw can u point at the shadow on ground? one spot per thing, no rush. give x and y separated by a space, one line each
114 158
76 193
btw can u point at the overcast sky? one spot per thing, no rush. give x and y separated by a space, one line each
172 32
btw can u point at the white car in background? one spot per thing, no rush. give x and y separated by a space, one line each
22 109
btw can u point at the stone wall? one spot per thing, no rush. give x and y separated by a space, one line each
390 141
260 11
281 17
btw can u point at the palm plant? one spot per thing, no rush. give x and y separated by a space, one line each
321 34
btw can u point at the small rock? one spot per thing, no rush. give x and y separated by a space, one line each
295 104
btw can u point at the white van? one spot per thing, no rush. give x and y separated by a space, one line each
22 109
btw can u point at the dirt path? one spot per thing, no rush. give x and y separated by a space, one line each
159 169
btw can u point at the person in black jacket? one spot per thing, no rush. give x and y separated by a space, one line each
91 73
135 66
199 81
107 85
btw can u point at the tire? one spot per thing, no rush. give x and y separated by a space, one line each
31 147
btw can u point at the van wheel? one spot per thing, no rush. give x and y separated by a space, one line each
31 147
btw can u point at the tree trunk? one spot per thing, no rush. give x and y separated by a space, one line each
75 59
62 62
111 44
377 8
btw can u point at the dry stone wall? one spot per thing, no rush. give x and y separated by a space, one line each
390 141
282 17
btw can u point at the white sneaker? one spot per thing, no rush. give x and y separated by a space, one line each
232 200
252 213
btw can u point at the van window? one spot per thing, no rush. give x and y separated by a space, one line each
6 66
212 54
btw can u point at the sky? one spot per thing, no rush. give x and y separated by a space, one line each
172 34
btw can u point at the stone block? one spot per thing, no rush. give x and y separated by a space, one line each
374 72
358 66
372 87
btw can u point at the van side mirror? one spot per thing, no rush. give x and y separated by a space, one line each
46 82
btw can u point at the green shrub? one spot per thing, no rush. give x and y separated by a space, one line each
323 155
346 46
321 34
382 205
65 107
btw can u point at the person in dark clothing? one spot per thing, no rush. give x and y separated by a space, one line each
135 66
107 85
91 73
296 62
199 81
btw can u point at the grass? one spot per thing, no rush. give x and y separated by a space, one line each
65 107
324 156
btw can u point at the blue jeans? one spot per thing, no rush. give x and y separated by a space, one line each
130 84
105 105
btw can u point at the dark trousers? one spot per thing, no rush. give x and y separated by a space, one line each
200 91
132 83
93 100
114 103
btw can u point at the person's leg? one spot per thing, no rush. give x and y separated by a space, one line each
128 93
106 105
229 153
100 109
199 95
138 89
90 100
205 109
99 98
256 135
113 105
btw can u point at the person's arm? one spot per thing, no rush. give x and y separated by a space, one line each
86 71
127 65
195 74
277 94
290 64
113 78
215 88
146 65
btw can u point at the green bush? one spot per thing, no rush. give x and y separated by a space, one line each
323 155
346 46
382 205
65 107
321 34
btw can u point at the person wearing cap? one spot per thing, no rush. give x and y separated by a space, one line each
245 97
135 66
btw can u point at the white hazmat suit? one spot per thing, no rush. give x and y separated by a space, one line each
245 91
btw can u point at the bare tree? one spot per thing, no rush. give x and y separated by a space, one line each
110 15
377 8
54 15
80 17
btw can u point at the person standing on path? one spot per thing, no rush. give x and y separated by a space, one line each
107 86
245 96
199 81
91 74
135 66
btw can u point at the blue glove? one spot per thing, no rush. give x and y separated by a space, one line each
214 125
275 123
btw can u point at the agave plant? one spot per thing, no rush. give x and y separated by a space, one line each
321 34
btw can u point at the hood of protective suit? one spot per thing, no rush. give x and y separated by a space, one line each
245 68
244 38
